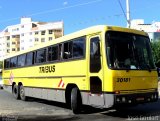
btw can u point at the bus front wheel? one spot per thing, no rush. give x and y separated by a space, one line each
16 92
76 101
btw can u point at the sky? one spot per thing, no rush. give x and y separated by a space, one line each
78 14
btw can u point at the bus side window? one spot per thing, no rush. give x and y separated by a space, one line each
30 59
78 48
13 62
60 51
52 53
41 55
7 63
21 60
67 50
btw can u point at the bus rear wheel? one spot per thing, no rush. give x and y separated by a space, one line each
22 93
16 92
76 101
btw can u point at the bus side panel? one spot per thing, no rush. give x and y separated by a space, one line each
7 88
40 83
109 100
48 94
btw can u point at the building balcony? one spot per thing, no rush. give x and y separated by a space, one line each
34 28
6 33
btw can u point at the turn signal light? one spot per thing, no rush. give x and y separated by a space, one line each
117 92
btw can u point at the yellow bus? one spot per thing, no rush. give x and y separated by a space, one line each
101 66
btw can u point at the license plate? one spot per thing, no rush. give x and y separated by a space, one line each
140 99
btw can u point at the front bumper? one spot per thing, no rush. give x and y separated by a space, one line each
136 98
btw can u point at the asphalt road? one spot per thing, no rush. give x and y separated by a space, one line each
42 110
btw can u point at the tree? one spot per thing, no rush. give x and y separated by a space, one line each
1 64
155 45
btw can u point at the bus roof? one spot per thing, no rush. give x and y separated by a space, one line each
80 33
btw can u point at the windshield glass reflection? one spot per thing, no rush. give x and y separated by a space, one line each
128 51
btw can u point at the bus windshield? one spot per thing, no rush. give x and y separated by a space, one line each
128 51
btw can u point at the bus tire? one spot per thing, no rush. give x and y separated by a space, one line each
22 93
16 92
76 101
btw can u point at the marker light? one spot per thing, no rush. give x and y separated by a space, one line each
117 92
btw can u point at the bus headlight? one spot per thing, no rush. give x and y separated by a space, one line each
118 100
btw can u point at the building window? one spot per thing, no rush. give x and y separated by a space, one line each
13 49
6 30
15 36
42 32
36 33
22 34
13 43
42 39
36 39
22 26
50 38
57 30
8 44
34 25
22 48
8 50
30 33
16 29
50 31
8 38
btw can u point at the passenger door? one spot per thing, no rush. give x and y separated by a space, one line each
95 72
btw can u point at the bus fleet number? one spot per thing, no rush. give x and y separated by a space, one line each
123 79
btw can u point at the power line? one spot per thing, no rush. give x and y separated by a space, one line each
122 10
53 10
92 20
72 6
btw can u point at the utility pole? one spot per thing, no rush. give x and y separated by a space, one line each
128 14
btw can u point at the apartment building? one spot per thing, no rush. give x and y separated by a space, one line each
152 29
3 45
28 34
